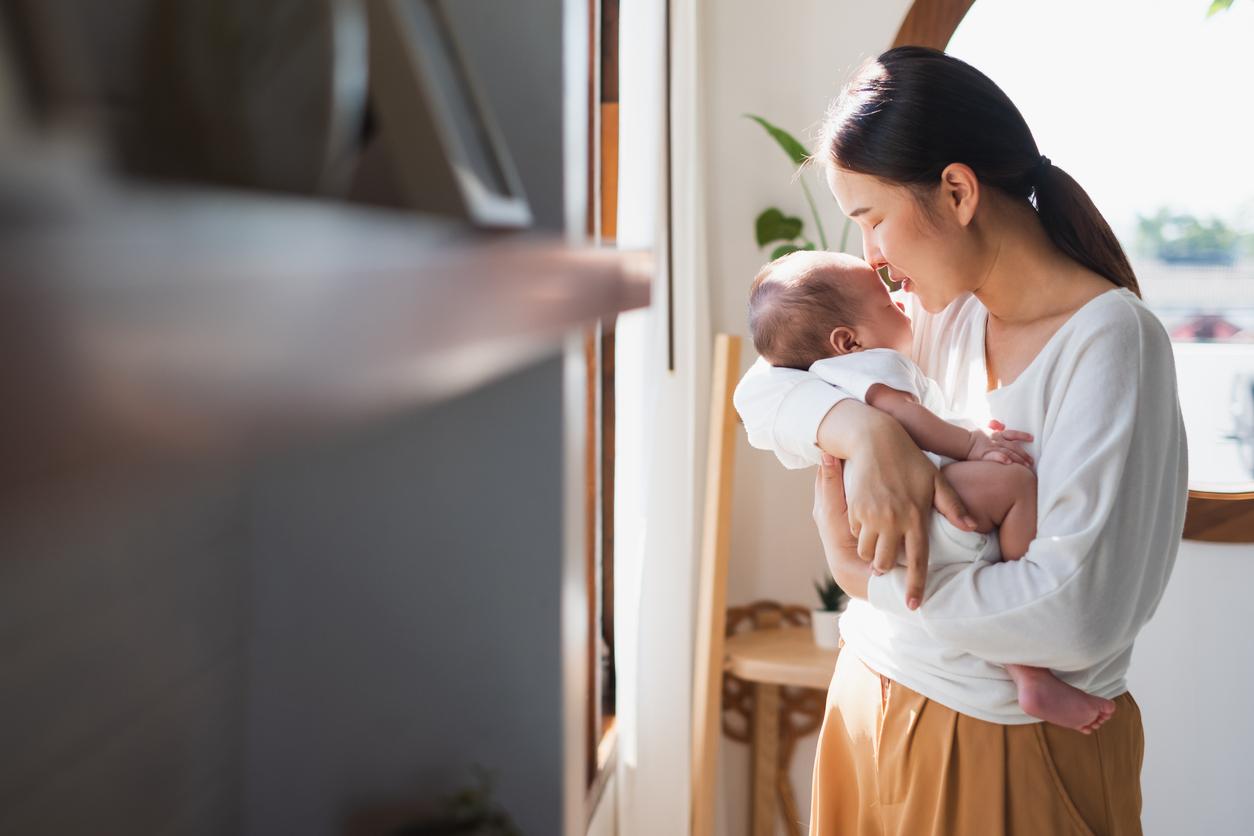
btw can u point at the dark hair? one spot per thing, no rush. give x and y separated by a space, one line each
914 110
796 301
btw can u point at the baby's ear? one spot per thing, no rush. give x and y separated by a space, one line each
843 340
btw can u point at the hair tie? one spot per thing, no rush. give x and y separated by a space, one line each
1038 171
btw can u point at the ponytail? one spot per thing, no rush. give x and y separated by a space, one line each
1078 229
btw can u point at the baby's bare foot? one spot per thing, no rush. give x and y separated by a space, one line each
1049 698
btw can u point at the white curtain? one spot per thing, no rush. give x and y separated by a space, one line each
661 414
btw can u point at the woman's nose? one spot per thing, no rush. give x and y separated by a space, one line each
871 253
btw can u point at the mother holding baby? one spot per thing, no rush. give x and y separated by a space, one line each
1025 311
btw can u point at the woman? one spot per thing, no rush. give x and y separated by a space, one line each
1026 312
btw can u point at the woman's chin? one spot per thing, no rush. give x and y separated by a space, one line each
931 301
932 306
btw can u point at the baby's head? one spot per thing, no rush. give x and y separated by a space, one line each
808 305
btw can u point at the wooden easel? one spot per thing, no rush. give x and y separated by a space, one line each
707 686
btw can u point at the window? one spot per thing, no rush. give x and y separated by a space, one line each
1146 105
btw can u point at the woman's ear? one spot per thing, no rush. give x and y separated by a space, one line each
843 340
960 192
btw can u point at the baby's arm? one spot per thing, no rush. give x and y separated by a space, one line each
931 432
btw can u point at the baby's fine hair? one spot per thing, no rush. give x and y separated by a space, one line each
796 301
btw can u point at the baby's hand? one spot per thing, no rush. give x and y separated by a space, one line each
998 444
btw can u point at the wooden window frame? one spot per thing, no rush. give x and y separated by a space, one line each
599 343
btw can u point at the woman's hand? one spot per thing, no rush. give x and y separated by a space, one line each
892 490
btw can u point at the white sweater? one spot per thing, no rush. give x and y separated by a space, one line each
1101 400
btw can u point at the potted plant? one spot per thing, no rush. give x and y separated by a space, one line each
471 811
785 233
825 620
775 227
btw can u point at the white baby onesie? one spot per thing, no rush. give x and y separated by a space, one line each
854 374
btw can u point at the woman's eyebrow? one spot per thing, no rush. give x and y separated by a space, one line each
856 212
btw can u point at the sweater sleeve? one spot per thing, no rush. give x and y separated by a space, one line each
782 409
1112 484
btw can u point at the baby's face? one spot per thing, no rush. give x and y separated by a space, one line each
882 323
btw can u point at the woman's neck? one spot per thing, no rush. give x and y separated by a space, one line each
1026 277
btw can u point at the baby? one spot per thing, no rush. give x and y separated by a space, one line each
830 313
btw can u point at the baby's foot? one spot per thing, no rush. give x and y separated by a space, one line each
1049 698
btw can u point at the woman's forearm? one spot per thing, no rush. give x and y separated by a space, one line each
849 571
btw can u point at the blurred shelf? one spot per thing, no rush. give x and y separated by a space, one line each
135 321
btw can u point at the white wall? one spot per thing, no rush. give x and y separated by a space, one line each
783 61
1193 674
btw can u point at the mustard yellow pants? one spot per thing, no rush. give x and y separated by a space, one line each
891 762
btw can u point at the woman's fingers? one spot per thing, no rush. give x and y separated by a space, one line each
867 539
886 548
916 564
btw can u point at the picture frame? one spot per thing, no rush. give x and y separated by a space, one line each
439 136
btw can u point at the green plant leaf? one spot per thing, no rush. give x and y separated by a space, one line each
830 593
774 225
794 149
892 286
1218 6
791 247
